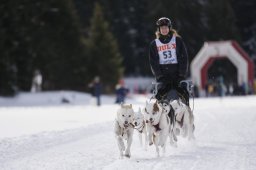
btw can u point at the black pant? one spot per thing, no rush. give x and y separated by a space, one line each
171 91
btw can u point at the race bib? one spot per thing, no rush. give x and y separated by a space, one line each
167 52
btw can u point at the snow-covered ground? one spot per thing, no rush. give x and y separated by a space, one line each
38 131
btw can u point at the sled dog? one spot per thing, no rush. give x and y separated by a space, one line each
158 125
168 110
140 125
184 120
124 129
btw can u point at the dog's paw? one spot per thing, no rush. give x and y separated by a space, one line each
122 146
121 155
191 138
174 144
177 131
127 155
175 138
184 134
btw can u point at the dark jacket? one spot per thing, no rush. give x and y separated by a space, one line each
169 71
97 89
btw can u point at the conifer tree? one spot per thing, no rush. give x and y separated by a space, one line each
245 19
127 22
221 21
42 35
104 56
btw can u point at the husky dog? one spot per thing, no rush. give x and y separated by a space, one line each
158 125
124 129
168 110
140 125
184 123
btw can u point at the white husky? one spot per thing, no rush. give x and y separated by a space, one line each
140 126
124 129
158 125
168 110
184 124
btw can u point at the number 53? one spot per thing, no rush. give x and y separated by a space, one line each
167 54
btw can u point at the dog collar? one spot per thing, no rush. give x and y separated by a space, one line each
142 127
124 127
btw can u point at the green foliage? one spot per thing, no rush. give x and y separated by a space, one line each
104 58
7 77
245 18
220 21
129 25
42 35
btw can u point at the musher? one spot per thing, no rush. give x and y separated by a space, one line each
169 61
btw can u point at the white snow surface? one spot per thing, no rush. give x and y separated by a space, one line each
38 132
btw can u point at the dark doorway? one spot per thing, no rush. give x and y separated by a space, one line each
223 68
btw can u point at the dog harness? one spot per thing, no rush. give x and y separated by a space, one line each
157 127
140 129
124 129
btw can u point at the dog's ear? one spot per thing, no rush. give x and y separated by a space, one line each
130 106
122 105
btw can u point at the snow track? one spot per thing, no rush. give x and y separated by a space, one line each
68 149
225 140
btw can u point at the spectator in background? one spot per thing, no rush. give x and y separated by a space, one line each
206 89
210 89
254 86
95 89
244 88
230 89
250 87
37 82
196 91
221 88
121 92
